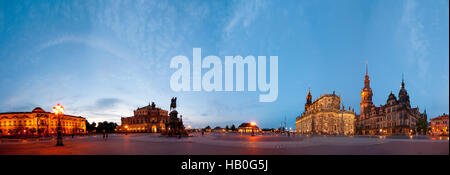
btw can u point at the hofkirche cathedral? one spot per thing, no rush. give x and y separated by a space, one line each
326 116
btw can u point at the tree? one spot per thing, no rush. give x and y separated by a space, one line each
422 125
226 128
108 127
208 127
90 127
233 128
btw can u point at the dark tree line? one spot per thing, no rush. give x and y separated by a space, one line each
232 128
100 127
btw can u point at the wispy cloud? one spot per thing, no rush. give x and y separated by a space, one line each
92 42
244 14
107 102
417 42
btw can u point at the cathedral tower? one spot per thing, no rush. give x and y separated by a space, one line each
308 99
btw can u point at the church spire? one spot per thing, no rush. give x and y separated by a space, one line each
366 93
308 99
403 81
367 81
367 67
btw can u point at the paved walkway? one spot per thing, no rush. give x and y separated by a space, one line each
152 144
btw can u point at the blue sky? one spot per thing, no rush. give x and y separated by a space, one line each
102 59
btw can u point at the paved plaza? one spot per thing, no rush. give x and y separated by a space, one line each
226 144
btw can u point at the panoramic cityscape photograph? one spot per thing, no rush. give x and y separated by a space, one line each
259 78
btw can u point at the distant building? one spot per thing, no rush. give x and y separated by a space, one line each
146 119
248 128
439 125
219 129
39 122
325 116
396 117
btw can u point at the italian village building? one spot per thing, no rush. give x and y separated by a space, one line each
396 117
39 122
325 116
248 128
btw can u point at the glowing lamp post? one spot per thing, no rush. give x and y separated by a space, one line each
126 129
252 125
59 110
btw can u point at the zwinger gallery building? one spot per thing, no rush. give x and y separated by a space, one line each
39 122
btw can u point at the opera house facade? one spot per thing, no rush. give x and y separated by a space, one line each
39 122
146 119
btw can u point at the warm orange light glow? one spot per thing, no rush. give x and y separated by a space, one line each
126 126
58 109
253 123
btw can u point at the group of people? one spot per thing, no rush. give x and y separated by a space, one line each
105 135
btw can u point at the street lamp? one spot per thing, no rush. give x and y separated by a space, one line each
252 125
126 129
59 110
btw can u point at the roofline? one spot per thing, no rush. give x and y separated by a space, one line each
39 113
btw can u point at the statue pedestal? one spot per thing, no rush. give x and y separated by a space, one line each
174 127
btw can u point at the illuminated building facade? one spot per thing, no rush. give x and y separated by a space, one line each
219 129
396 117
146 119
248 128
439 125
325 116
39 122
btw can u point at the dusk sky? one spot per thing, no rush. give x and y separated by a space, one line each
103 59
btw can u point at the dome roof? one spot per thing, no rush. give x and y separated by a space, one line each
37 109
402 92
392 97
